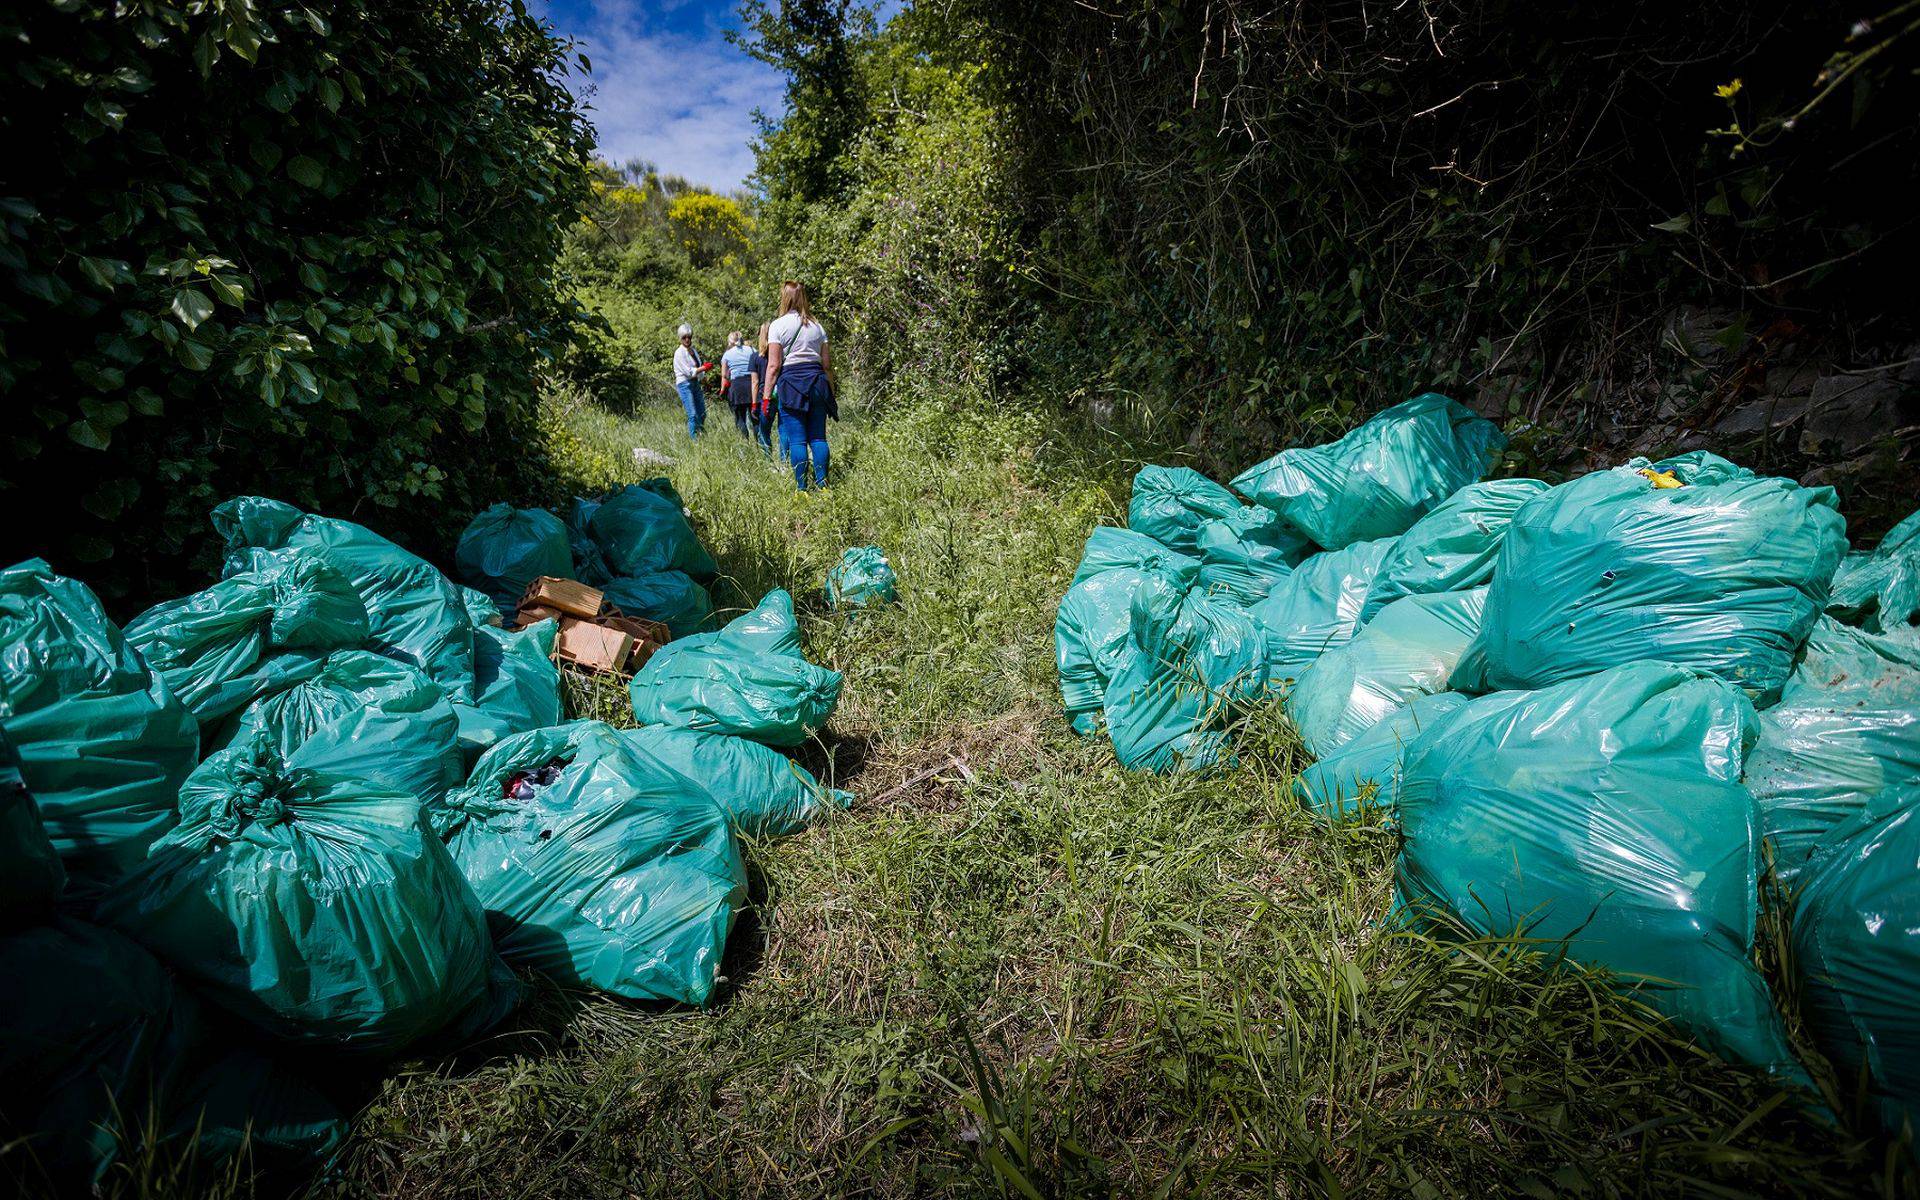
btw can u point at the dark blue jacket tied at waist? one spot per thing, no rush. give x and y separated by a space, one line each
804 385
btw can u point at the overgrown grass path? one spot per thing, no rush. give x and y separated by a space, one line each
1041 975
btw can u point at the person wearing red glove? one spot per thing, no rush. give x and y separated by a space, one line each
687 366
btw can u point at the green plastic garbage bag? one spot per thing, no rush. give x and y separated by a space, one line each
252 633
1881 590
1365 773
762 791
94 1041
1317 607
516 683
1724 573
1163 722
31 876
863 576
105 1054
641 531
385 722
1847 728
589 564
1170 504
617 873
103 745
1192 663
1247 552
414 613
316 904
1409 650
1380 478
749 680
481 610
1109 547
243 1102
1606 811
506 548
1090 626
670 597
1453 547
1856 939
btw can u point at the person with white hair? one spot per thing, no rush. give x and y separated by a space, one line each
687 366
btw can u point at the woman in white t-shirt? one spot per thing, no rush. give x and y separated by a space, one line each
800 379
686 380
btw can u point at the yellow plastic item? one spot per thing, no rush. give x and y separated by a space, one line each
1662 479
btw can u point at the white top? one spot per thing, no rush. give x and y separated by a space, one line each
798 343
685 365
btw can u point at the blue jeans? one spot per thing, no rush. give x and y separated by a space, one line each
763 430
801 432
694 401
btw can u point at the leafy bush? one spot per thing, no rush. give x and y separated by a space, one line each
267 249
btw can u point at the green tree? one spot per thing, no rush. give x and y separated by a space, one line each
272 249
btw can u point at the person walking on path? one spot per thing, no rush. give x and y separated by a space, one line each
686 380
800 380
736 373
763 406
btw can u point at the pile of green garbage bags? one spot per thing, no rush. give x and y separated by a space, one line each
1604 714
635 544
326 804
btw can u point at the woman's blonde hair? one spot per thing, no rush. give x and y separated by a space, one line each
735 338
764 326
793 298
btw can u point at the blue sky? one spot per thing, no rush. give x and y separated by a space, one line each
666 85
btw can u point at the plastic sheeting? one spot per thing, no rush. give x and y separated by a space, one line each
384 722
103 745
1317 607
619 875
505 548
1381 477
749 680
414 613
670 597
1725 574
1408 650
1453 547
516 685
1091 624
1846 729
762 791
1169 505
31 876
316 904
863 576
1881 590
1606 811
640 529
252 633
1856 938
1365 773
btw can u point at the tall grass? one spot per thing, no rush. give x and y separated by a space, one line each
1039 975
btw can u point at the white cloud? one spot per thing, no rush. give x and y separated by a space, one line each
681 100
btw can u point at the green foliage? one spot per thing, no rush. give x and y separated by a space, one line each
267 249
650 252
